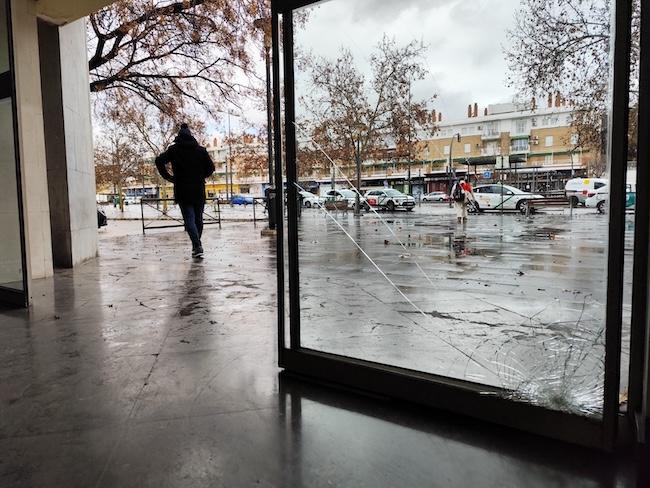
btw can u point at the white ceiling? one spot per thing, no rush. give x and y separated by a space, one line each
64 11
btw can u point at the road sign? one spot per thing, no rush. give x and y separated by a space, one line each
487 174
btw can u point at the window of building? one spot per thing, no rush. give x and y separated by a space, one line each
520 126
468 148
548 159
533 121
549 141
492 148
574 139
519 145
492 129
446 150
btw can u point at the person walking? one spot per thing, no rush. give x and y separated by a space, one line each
191 165
461 194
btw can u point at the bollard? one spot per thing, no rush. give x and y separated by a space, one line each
270 206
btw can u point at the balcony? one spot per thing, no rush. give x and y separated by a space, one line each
490 135
491 151
520 149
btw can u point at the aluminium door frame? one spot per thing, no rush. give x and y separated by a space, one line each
639 373
433 390
10 296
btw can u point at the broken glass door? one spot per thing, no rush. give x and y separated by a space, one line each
450 302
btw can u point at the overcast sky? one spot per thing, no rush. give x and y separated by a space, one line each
464 38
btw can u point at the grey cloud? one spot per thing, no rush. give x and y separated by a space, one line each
387 10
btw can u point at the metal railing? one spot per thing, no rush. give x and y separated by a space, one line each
212 212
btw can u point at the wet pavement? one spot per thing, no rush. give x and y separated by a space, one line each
505 300
144 368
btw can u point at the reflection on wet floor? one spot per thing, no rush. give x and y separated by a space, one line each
506 300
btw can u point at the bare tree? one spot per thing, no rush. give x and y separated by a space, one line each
563 46
175 54
248 155
117 159
354 116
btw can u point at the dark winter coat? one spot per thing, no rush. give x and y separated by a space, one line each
191 165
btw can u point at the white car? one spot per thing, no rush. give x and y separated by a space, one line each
598 199
342 194
390 199
132 200
310 200
577 190
502 197
435 196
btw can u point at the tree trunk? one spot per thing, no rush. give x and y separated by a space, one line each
121 199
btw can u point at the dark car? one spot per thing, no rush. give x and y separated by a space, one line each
102 220
241 200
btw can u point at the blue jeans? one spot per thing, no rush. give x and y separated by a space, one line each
193 217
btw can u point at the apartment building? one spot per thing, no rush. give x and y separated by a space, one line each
532 147
529 146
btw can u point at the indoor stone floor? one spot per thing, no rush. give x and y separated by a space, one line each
144 369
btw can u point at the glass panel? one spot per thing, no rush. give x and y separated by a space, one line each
4 38
630 202
11 271
511 296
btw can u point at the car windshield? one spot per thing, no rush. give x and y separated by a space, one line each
347 193
394 193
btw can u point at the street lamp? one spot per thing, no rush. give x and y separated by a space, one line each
451 152
264 24
408 160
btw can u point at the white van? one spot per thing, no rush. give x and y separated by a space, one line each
577 190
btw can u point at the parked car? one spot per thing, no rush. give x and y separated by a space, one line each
577 190
342 194
241 200
389 199
435 196
599 198
498 197
310 200
132 200
102 220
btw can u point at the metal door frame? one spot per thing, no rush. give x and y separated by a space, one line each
434 390
10 296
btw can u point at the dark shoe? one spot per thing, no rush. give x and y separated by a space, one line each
197 253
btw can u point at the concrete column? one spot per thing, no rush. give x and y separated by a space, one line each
31 139
79 141
68 138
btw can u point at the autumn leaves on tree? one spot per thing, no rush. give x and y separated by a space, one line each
353 116
564 46
156 63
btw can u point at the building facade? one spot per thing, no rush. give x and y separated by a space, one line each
533 148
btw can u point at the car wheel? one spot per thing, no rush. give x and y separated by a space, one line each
390 206
601 207
308 204
522 206
410 209
574 201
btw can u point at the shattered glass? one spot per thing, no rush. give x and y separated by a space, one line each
546 350
513 303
